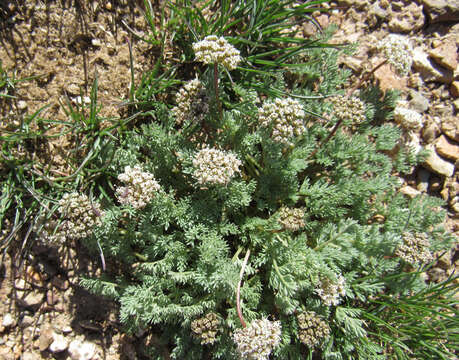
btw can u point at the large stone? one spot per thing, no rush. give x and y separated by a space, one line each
437 164
418 102
447 148
8 320
445 55
454 90
441 10
46 337
429 70
410 18
81 350
32 299
450 127
59 344
388 79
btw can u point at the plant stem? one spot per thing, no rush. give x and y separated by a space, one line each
365 78
217 95
238 291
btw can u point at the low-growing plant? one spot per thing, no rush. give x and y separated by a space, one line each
256 225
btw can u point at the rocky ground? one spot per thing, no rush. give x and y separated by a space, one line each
43 311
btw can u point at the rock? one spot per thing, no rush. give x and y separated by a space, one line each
28 355
441 10
31 299
429 70
378 11
73 89
447 148
81 350
410 18
450 127
456 105
437 164
353 63
59 344
410 191
46 337
423 180
388 79
21 284
60 283
445 55
6 353
418 102
454 90
436 274
8 321
51 298
356 4
67 329
26 321
22 105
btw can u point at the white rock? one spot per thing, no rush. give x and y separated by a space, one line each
81 350
409 191
59 343
22 105
8 320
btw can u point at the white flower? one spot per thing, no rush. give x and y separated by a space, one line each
330 292
414 249
291 219
407 118
257 341
285 117
215 166
351 110
217 50
312 329
140 187
398 52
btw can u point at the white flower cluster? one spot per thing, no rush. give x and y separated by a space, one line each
415 249
398 52
256 341
185 98
206 328
215 166
80 217
330 292
291 219
409 119
312 329
217 50
140 187
285 116
351 110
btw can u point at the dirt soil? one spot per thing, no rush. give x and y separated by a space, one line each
44 313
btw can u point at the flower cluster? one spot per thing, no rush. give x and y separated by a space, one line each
398 52
140 187
291 219
206 328
312 329
285 116
215 166
215 50
409 119
187 98
256 341
80 217
330 291
351 110
415 249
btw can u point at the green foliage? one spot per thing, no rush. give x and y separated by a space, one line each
180 257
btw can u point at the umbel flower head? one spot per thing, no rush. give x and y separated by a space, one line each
80 216
398 52
414 249
330 291
285 117
188 99
351 110
214 166
206 328
291 219
258 340
312 329
140 187
216 50
407 118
